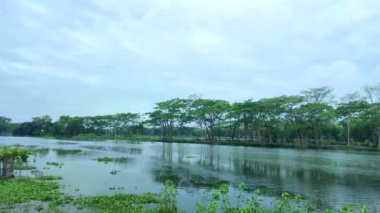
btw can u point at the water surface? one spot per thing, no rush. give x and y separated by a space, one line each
328 178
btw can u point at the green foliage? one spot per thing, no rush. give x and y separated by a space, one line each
22 190
67 151
39 126
56 164
167 197
5 125
24 166
118 202
309 118
49 177
19 153
218 201
115 160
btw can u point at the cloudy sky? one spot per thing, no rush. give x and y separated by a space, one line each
69 57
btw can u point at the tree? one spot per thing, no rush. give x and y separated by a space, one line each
372 92
170 114
67 126
41 125
372 117
316 116
317 95
349 112
5 125
127 123
8 157
209 114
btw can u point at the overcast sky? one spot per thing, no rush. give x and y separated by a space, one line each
70 57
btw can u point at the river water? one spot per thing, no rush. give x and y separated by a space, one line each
327 178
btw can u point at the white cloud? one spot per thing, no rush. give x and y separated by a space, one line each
126 55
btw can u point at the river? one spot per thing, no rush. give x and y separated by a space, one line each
327 178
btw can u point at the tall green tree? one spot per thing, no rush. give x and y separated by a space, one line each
170 114
350 112
5 125
210 115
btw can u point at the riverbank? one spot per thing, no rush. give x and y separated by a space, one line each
191 140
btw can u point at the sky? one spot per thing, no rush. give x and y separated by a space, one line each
69 57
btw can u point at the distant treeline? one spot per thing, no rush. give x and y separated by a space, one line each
311 117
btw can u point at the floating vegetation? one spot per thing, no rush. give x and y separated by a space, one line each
114 160
21 190
37 173
118 202
210 182
23 166
114 172
60 151
49 177
116 188
135 150
57 164
45 196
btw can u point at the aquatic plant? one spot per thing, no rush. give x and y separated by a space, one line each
57 164
21 190
9 155
60 151
114 172
115 160
49 177
118 202
167 197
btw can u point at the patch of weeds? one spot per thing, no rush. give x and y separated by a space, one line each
57 164
116 188
67 151
114 172
24 166
210 182
21 190
118 202
114 160
49 177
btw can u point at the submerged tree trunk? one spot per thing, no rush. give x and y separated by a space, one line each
8 167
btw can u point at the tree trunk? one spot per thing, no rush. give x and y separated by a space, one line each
378 137
8 167
269 137
348 134
245 129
